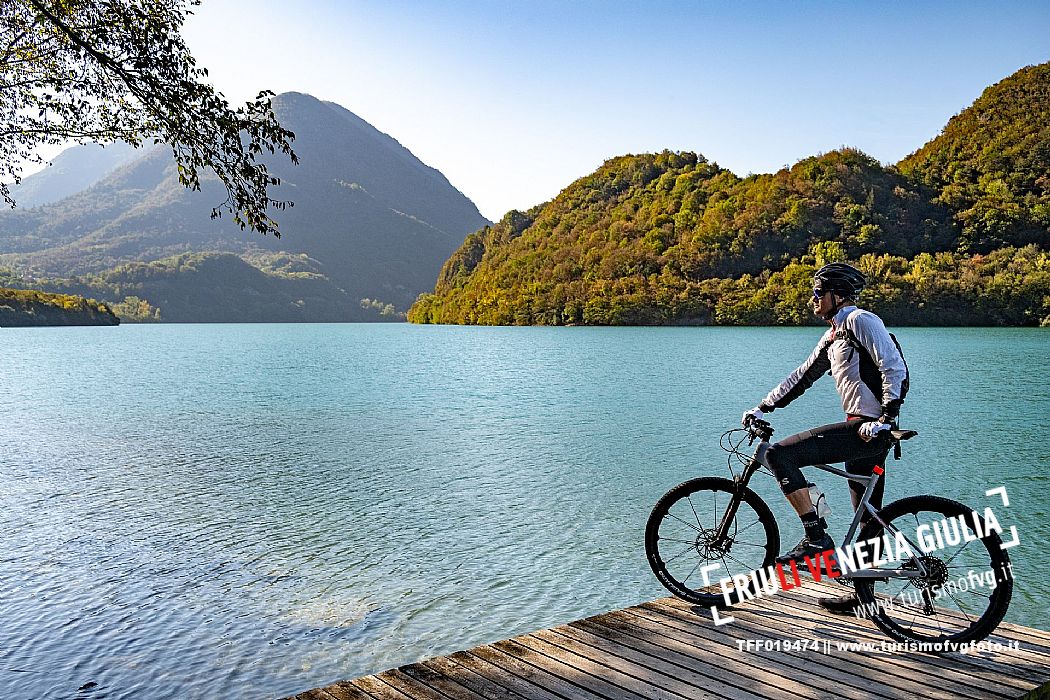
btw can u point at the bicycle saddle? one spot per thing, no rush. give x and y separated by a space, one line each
903 434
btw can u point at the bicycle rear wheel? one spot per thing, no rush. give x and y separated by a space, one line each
968 583
680 538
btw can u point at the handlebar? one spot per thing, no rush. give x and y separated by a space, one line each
758 429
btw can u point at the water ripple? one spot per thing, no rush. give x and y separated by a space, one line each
196 511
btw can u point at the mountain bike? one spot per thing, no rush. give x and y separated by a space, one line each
943 577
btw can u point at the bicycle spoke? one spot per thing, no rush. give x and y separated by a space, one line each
727 567
748 527
686 523
668 561
686 579
961 566
959 552
911 622
746 566
958 605
680 537
693 508
904 586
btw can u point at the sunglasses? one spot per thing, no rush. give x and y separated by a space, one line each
818 293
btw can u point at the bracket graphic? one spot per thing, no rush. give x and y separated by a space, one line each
705 571
1000 491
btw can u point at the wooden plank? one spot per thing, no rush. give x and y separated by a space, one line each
1008 664
378 689
315 694
878 672
398 680
623 675
916 667
438 681
701 661
533 674
582 672
344 690
501 678
476 683
773 671
651 669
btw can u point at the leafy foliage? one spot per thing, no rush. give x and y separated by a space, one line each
671 238
220 288
639 240
118 70
991 164
21 307
136 310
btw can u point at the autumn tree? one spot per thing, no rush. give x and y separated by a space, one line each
119 70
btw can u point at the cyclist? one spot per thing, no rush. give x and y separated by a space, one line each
862 441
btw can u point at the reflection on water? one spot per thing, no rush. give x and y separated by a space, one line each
192 511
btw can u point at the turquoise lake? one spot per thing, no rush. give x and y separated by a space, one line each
196 511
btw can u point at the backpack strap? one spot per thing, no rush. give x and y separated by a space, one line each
844 333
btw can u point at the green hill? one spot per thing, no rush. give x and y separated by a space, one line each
25 307
991 164
672 238
225 288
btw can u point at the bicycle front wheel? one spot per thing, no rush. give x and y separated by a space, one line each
966 588
680 538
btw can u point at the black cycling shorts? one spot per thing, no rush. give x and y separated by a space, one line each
828 444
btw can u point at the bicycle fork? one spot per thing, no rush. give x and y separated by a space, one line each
757 461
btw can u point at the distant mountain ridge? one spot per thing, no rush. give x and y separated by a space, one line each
376 223
956 234
71 171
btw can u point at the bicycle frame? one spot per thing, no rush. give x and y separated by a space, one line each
758 460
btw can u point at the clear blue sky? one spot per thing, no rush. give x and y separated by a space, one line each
512 101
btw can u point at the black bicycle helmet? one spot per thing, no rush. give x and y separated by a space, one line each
841 279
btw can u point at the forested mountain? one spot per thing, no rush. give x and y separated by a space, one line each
371 221
957 233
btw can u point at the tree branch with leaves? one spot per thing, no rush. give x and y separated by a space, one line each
119 70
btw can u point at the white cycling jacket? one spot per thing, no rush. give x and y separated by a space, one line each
836 353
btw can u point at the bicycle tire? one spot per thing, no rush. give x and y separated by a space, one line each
930 624
687 543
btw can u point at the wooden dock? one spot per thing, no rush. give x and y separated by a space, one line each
669 650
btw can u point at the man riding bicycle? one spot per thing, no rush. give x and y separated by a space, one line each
856 345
